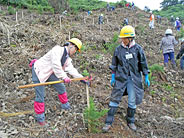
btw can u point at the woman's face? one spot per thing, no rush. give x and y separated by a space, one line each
72 49
125 41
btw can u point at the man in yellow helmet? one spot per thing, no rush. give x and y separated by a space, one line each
128 65
52 67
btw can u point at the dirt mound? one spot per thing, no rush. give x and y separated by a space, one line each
32 35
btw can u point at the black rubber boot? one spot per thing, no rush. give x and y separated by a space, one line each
109 119
131 119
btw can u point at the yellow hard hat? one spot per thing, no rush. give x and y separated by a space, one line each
77 42
127 31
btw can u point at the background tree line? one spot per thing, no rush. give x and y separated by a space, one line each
172 8
58 6
167 3
169 7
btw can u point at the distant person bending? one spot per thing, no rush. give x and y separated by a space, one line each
159 19
181 55
54 66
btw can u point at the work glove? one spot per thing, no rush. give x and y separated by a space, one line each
147 82
67 80
112 79
66 106
85 82
32 63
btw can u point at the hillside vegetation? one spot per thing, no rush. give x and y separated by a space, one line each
31 35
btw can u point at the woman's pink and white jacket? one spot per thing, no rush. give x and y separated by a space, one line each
51 63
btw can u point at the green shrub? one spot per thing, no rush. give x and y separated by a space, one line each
140 15
40 9
115 38
84 47
173 95
168 87
92 116
140 28
40 5
85 73
113 44
11 10
98 56
156 68
152 92
2 12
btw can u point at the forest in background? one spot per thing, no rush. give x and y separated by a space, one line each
169 7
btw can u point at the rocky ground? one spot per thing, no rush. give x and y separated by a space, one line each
30 36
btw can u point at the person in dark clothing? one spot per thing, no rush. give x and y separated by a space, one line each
159 19
112 8
133 5
100 19
108 7
172 20
125 21
128 65
181 55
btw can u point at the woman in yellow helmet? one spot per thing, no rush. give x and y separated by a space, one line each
128 65
52 67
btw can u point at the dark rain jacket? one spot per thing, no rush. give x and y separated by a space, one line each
123 68
181 52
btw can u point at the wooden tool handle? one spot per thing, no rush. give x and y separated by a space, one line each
49 83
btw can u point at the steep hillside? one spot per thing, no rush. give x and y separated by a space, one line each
160 115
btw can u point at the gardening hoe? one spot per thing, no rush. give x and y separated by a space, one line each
87 94
51 82
87 90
